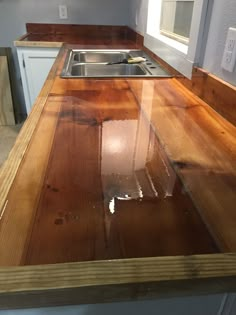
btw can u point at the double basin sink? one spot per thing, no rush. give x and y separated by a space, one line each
102 63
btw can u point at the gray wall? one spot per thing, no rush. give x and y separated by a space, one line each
223 16
15 13
138 15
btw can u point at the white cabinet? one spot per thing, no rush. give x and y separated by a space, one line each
35 64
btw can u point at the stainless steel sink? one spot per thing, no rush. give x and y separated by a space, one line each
94 64
100 57
97 70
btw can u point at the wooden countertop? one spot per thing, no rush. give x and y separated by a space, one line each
125 186
54 35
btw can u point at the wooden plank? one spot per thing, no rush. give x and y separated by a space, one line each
6 106
134 36
201 146
75 221
69 215
81 30
19 116
53 35
37 42
25 192
10 167
219 94
108 281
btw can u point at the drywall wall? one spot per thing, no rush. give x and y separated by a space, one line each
138 15
15 13
222 17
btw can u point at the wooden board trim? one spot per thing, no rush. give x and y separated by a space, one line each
22 43
125 279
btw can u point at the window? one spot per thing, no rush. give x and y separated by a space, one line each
176 18
175 31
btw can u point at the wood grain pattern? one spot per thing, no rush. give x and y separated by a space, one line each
10 167
135 37
53 35
75 41
6 106
25 192
92 31
74 220
219 94
107 281
201 146
38 42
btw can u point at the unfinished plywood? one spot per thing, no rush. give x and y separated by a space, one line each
6 106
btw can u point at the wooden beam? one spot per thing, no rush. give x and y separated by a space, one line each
116 280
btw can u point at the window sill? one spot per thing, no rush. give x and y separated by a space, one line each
171 51
173 43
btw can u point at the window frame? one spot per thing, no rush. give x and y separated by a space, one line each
170 34
180 56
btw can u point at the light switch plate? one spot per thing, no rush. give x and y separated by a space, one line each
63 11
229 56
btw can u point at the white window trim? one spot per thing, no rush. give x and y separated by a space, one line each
173 35
179 38
178 55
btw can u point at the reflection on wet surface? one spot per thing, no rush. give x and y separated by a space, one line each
111 192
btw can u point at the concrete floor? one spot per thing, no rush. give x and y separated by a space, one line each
8 136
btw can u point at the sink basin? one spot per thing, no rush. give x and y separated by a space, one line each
91 70
100 57
94 64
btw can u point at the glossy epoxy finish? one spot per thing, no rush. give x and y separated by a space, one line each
111 188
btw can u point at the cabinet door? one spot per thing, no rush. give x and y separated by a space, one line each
37 66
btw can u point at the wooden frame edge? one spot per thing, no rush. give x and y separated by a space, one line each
9 169
116 280
22 43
